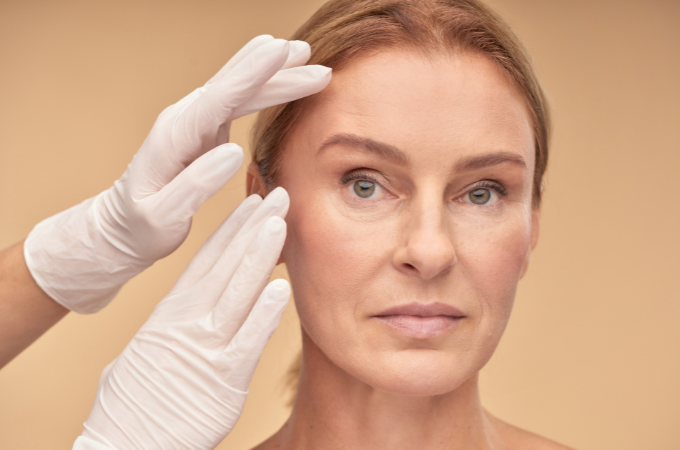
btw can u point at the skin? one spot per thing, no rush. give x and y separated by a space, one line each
26 312
425 133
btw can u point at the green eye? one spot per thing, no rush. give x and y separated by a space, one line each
364 189
480 196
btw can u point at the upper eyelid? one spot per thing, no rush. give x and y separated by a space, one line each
498 187
354 176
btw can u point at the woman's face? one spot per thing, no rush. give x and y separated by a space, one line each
411 219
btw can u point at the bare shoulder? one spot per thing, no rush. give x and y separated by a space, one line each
514 438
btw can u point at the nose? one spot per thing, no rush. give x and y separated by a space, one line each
428 250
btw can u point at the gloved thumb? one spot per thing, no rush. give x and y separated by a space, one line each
182 197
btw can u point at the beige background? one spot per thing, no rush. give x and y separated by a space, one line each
592 355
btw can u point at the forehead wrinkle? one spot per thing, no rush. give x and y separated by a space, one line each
379 148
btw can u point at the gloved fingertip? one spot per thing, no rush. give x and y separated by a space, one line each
277 202
227 155
229 149
298 55
298 42
319 71
280 288
261 38
278 194
201 180
269 241
275 299
298 48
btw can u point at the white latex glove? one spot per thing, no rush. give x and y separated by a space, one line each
82 257
182 381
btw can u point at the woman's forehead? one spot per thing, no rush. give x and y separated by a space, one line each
409 101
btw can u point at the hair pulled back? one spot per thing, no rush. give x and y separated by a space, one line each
345 29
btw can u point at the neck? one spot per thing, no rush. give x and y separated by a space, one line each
335 410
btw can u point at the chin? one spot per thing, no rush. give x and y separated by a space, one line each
417 372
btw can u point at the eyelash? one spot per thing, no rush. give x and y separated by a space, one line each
359 176
500 190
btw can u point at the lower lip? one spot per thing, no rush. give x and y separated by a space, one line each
421 327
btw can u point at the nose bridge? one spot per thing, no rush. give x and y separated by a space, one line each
428 217
429 246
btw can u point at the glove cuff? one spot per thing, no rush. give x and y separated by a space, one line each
70 259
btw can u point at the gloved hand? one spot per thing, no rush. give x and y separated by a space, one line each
81 257
182 381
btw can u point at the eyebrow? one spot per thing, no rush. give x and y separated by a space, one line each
379 148
394 154
491 159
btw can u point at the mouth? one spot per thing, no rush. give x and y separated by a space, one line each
422 321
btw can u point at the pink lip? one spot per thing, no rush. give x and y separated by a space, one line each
421 321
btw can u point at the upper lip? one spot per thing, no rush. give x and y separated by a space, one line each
422 310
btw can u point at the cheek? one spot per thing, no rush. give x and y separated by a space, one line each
331 258
491 255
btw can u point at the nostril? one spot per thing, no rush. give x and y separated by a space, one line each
410 266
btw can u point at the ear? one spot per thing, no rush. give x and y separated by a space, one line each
256 185
254 182
535 225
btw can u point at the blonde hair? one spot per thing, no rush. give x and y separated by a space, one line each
344 29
